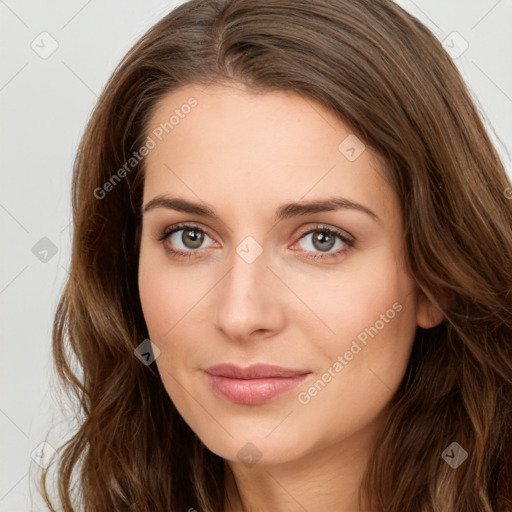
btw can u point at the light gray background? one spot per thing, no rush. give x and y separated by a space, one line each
45 104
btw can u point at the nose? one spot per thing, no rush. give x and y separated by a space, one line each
249 299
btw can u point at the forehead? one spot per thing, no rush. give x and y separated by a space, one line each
257 148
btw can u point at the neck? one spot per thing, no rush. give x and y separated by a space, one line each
327 478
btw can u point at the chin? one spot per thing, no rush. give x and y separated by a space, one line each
252 446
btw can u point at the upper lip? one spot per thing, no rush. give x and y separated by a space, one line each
255 371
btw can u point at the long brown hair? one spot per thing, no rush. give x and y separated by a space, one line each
388 77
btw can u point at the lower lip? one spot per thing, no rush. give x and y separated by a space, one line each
252 391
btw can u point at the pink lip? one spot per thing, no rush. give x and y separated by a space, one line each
255 384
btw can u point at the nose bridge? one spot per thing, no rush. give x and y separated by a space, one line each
245 299
246 278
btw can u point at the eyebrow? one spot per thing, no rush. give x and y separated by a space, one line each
284 211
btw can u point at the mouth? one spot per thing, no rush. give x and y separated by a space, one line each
255 384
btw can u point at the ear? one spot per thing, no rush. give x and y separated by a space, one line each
427 315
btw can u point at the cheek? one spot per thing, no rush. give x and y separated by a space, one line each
166 298
374 296
167 295
363 365
157 299
372 319
173 307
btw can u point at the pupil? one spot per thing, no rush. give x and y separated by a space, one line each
323 238
195 235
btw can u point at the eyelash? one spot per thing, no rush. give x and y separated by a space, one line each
349 242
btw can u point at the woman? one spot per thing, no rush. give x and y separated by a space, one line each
291 271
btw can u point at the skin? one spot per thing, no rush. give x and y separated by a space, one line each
244 154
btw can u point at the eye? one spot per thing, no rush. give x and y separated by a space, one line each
183 240
324 238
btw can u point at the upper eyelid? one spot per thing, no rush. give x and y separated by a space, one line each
185 225
335 230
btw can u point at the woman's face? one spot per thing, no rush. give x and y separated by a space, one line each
264 283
